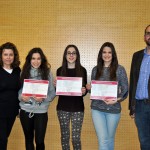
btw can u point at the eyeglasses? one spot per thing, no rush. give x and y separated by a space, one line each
147 33
73 53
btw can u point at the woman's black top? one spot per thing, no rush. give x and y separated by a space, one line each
9 87
72 103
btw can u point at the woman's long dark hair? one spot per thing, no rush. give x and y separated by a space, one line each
113 65
43 69
13 47
78 66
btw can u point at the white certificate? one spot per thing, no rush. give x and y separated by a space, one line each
37 88
104 90
70 86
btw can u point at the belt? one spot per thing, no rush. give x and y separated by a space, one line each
146 101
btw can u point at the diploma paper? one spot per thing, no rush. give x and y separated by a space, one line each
102 90
37 88
70 86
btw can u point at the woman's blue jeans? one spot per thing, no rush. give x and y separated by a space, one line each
105 125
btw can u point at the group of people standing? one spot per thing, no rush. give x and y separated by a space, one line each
70 109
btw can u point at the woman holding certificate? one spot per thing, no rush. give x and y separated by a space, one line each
9 87
71 108
33 113
106 107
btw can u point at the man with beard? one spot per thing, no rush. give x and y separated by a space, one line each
139 95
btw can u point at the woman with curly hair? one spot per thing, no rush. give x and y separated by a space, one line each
33 113
9 87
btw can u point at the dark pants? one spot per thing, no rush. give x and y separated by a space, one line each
5 129
76 119
34 126
142 120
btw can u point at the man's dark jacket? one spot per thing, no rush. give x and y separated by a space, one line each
134 76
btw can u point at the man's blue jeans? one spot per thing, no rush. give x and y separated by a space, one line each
142 121
105 125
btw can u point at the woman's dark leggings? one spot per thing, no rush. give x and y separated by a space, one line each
76 119
6 125
35 126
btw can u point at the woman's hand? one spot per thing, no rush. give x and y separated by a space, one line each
110 101
38 99
54 82
83 90
25 98
88 86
